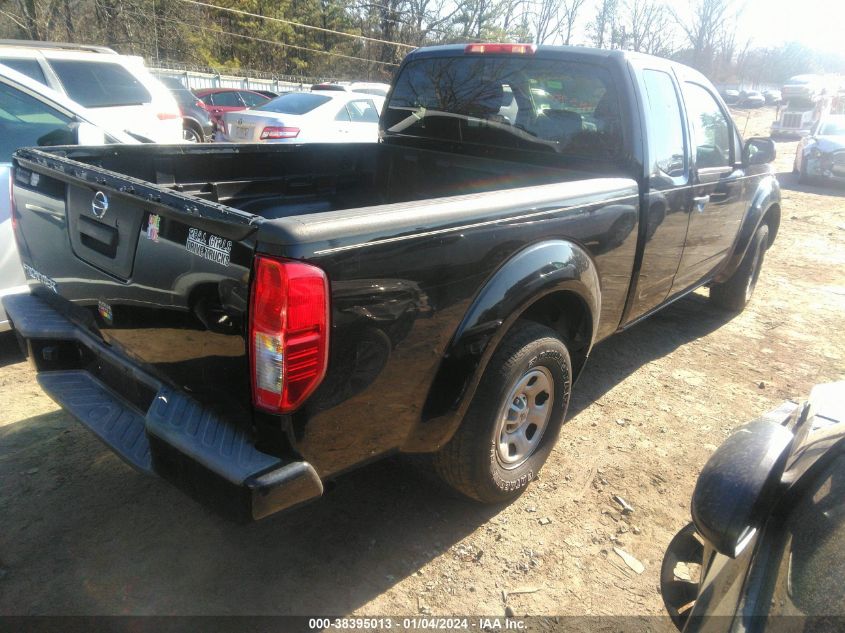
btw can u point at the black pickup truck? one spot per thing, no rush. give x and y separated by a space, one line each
250 321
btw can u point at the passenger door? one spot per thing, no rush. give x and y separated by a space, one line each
668 196
718 193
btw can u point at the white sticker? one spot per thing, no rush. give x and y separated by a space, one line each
211 247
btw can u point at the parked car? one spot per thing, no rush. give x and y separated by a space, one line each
766 547
365 87
33 115
119 87
772 97
730 96
197 125
218 101
281 314
751 99
306 117
821 155
269 93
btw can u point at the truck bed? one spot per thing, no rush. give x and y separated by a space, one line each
284 180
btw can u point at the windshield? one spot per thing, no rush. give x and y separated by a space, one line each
294 103
526 103
832 128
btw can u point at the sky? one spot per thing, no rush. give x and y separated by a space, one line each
819 24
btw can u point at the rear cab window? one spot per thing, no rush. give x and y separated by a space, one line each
540 104
96 84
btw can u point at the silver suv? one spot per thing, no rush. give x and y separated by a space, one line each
119 87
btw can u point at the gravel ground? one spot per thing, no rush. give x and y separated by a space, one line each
80 533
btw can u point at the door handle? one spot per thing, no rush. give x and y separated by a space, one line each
700 202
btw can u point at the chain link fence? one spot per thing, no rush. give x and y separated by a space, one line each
197 77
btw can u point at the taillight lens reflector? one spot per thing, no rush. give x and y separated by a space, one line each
272 132
289 332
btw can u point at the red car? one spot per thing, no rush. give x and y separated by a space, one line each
220 100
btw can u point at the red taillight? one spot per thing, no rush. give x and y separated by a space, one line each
288 332
166 116
514 49
271 132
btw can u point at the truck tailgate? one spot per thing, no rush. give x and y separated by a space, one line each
143 269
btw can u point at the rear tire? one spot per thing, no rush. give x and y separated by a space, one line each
514 419
735 293
191 135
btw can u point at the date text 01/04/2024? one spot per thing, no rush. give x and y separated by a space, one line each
419 623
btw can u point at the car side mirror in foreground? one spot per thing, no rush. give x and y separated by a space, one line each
758 151
738 486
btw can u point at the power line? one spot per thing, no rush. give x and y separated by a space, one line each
264 41
299 24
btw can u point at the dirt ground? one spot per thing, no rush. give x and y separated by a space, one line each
81 533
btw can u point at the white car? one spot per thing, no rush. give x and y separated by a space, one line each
32 115
118 87
307 117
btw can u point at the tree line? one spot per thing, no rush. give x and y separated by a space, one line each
368 38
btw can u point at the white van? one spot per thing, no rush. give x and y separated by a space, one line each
118 87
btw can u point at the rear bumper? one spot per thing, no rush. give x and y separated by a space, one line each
153 427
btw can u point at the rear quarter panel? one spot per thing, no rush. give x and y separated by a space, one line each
400 293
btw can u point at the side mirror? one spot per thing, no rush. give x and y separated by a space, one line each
89 134
738 486
758 151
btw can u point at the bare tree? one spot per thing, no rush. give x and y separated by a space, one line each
569 10
647 24
603 28
703 30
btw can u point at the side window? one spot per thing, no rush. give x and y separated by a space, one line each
208 99
711 131
665 126
100 84
228 99
29 67
251 99
362 111
343 115
27 122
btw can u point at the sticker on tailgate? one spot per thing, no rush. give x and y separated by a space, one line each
39 277
211 247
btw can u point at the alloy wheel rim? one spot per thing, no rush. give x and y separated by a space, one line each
524 417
